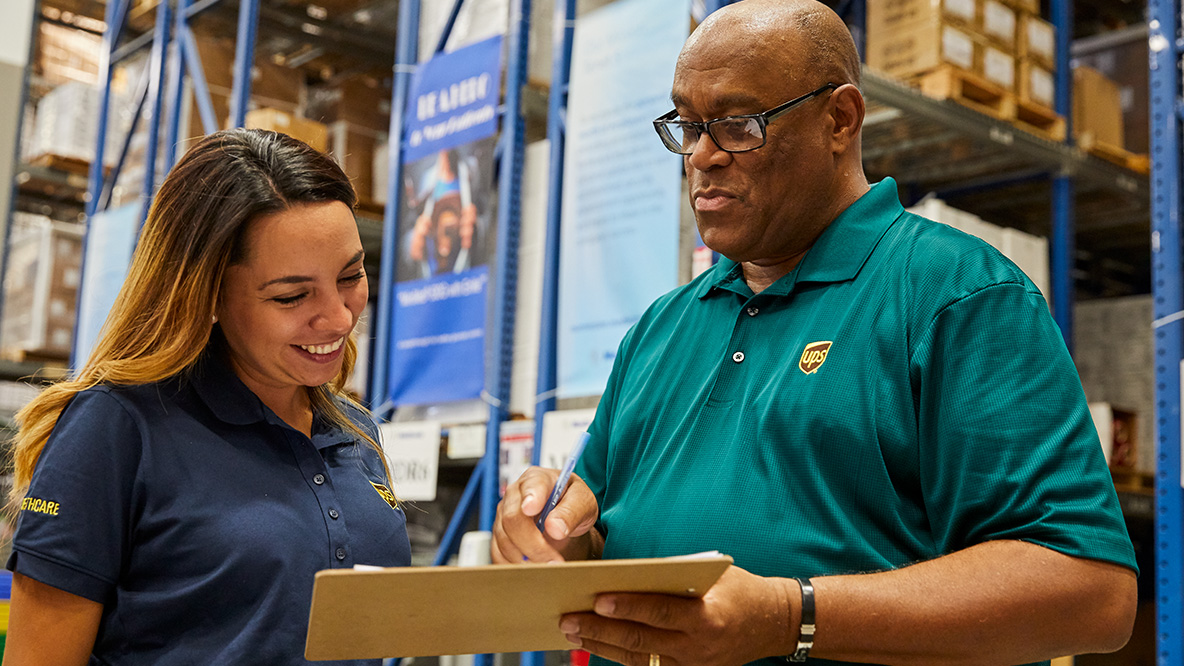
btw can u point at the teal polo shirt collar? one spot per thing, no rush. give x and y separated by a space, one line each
838 254
216 383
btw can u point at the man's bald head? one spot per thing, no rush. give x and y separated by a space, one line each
800 37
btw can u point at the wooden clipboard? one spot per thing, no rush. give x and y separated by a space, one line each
431 611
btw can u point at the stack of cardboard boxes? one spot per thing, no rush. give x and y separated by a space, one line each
1001 47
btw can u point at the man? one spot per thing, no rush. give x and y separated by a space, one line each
857 397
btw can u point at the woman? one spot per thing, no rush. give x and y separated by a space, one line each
178 495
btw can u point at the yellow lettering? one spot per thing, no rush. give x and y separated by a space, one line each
38 505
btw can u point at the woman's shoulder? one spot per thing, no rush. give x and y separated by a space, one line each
134 401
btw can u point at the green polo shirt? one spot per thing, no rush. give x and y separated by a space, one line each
900 395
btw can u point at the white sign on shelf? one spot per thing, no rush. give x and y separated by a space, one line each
516 447
413 454
466 441
561 429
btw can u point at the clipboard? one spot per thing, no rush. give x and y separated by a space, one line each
432 611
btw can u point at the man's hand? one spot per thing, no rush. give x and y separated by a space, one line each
742 618
516 539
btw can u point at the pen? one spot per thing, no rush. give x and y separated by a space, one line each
564 477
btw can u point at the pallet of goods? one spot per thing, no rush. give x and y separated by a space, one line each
991 56
41 288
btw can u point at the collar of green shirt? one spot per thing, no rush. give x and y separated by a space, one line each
837 255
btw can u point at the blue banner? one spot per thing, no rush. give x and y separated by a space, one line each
439 338
454 99
446 229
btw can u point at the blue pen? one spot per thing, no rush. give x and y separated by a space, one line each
564 477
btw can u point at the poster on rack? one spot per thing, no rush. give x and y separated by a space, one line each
621 188
110 242
446 228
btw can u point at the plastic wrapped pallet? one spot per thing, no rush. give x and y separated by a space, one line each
41 287
66 124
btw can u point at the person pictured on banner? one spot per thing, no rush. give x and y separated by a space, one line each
872 413
178 494
441 240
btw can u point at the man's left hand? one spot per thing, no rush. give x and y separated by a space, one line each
742 618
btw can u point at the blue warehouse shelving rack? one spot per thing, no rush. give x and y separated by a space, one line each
1166 111
997 170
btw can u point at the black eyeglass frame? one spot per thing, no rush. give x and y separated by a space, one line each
663 122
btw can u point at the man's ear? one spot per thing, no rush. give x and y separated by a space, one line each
847 109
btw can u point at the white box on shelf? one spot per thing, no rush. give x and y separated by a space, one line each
41 287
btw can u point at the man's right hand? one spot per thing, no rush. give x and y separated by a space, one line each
569 533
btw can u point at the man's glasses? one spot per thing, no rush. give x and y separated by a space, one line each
733 134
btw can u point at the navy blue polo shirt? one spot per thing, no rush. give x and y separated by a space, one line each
198 519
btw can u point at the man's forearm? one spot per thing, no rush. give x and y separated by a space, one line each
1001 602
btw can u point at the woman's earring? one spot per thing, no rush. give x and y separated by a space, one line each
215 319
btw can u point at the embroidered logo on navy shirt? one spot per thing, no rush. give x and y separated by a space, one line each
814 356
38 505
386 494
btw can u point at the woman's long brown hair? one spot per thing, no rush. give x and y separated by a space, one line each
161 321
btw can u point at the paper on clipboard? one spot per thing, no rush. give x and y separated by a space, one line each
431 611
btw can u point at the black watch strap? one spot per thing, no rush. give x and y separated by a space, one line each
806 630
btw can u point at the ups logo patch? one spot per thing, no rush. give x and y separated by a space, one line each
386 494
814 356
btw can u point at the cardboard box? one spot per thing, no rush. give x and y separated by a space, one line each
1031 6
1118 434
65 54
361 101
998 22
380 170
998 67
309 131
1097 107
1035 84
1125 62
887 16
920 48
41 287
1037 41
353 147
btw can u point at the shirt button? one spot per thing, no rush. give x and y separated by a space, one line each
319 479
333 514
738 357
340 553
752 311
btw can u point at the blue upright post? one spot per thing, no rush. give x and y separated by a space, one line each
176 77
115 15
1063 247
406 55
244 61
1168 309
563 34
564 22
509 199
156 74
